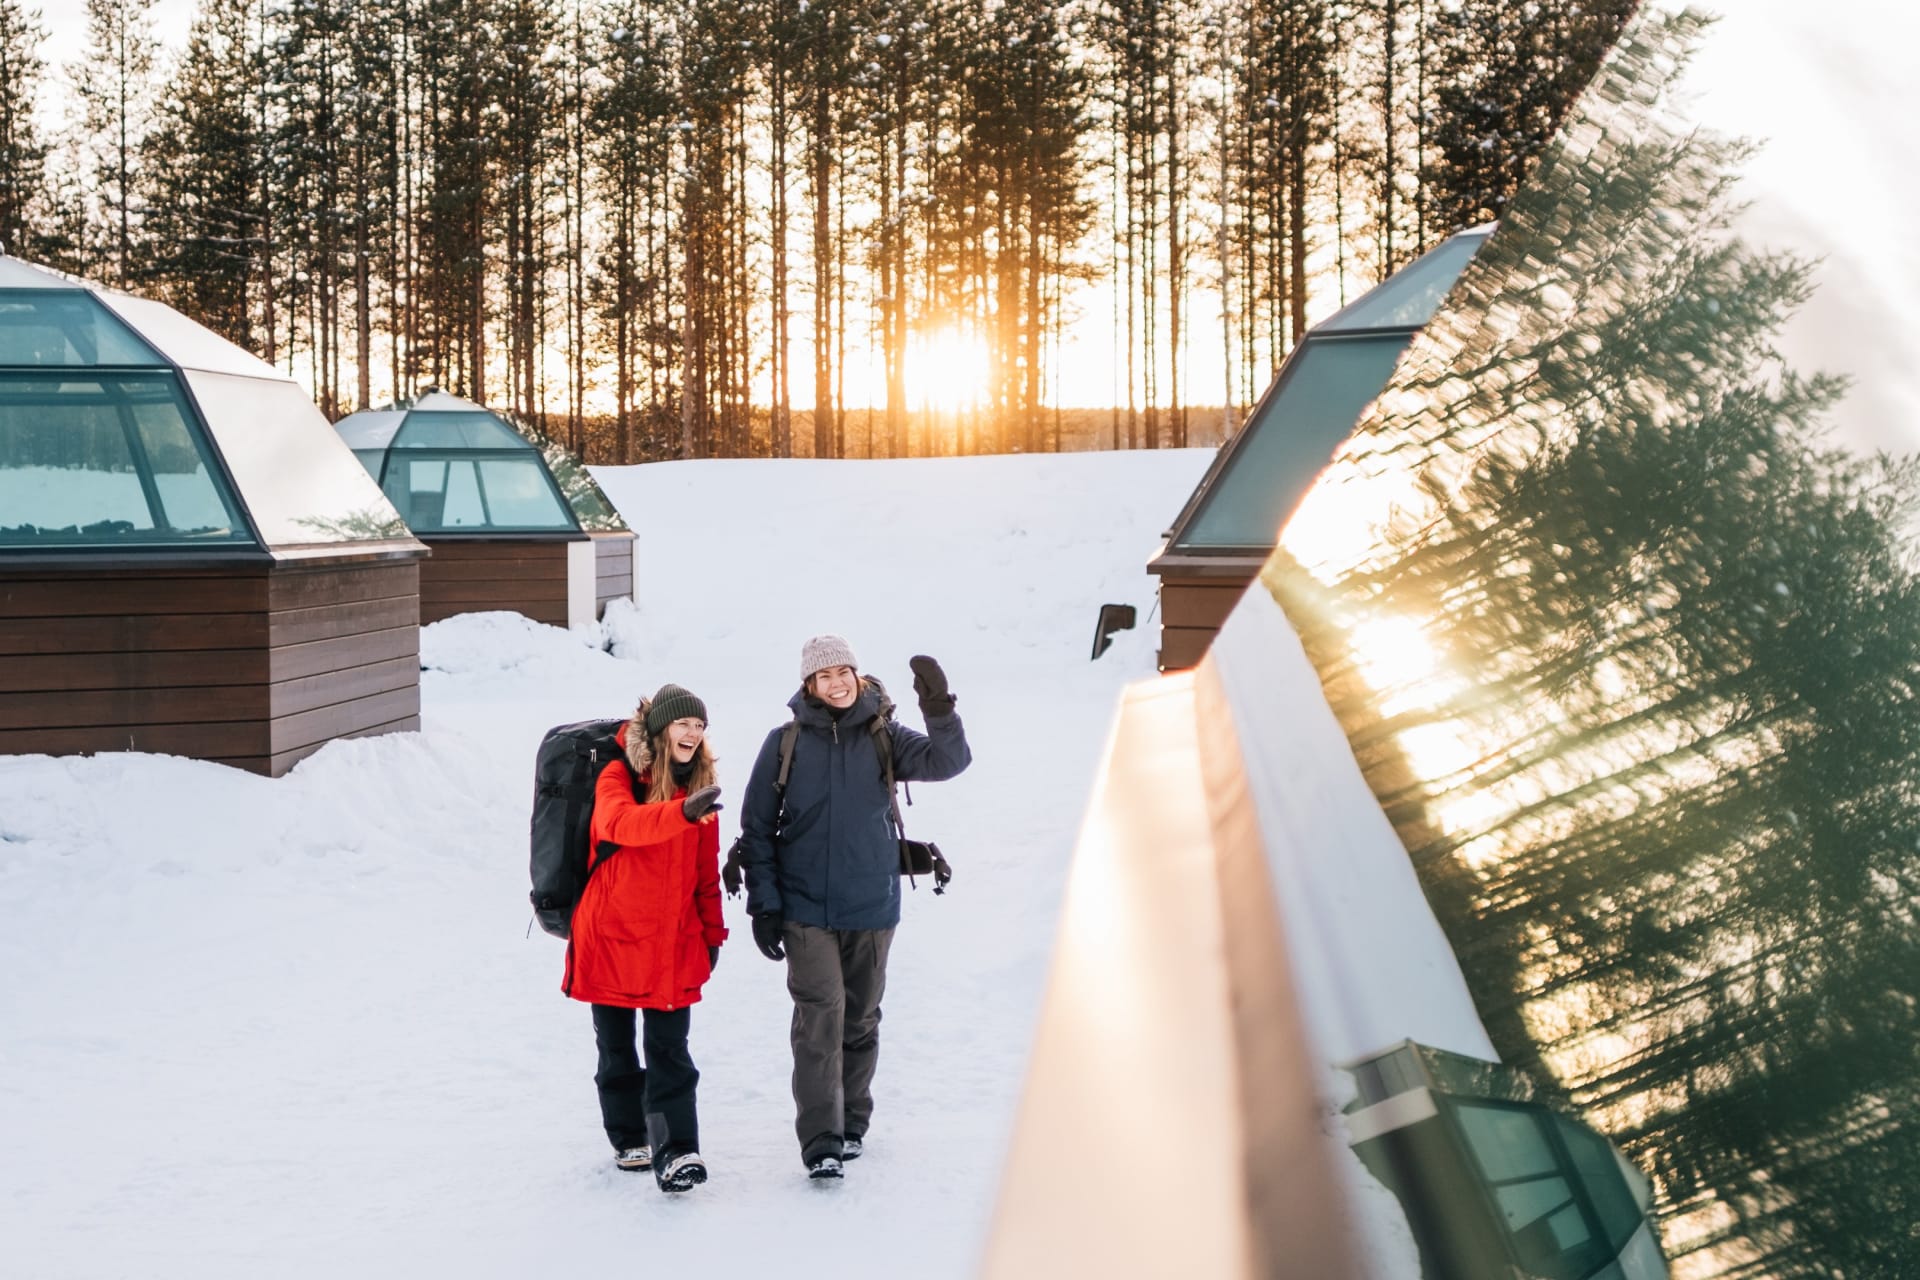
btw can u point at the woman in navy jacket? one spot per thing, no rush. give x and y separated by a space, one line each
823 885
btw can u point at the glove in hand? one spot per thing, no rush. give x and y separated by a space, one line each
930 686
766 935
713 960
701 803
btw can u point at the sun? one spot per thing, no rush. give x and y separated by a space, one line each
947 371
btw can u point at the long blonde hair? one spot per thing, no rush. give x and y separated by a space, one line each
660 784
643 750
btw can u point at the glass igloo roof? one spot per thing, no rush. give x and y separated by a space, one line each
123 424
1319 394
455 468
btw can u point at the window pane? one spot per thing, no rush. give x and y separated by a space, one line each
1327 383
65 327
94 461
465 509
1507 1143
1525 1202
1598 1169
303 487
1408 298
429 429
520 496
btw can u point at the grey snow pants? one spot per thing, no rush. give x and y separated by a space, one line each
836 978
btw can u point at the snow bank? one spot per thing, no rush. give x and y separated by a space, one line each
296 1025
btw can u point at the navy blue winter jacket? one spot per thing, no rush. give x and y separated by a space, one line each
834 862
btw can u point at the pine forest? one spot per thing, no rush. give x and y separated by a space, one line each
693 228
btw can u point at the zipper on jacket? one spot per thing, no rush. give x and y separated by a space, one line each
836 730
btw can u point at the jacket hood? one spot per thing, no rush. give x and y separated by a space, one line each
873 700
633 737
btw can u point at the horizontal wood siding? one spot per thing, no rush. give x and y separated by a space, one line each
1194 604
252 665
613 569
1193 608
1183 647
527 577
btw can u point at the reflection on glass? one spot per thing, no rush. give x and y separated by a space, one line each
468 493
591 506
1408 298
1327 382
302 487
66 327
458 467
425 429
106 460
1654 756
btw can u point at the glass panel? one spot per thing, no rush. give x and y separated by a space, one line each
590 504
1524 1202
104 461
66 327
1619 607
1408 298
427 429
1569 1227
371 460
302 486
370 428
1598 1168
466 506
15 274
520 496
1325 385
448 494
1506 1142
185 342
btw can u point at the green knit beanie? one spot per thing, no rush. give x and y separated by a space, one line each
670 704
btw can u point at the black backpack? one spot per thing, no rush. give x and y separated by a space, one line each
564 774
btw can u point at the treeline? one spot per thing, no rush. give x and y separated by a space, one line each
1659 780
706 218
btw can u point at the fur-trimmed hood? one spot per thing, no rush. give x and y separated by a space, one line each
634 738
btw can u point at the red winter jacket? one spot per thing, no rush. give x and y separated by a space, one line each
652 905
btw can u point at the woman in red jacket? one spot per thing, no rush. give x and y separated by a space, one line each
647 932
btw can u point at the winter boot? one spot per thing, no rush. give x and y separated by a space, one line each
824 1167
633 1159
681 1172
850 1147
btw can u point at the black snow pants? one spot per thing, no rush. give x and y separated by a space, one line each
651 1104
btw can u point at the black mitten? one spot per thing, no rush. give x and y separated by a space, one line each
713 959
930 686
700 803
766 935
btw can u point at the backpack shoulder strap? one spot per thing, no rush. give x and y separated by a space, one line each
787 736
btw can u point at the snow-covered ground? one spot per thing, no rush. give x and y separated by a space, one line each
296 1026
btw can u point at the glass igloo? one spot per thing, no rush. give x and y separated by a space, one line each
1229 525
264 593
513 523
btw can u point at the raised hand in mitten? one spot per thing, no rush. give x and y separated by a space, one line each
930 686
700 806
766 935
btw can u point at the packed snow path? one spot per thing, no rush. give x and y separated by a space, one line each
296 1027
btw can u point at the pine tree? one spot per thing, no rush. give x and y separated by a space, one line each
22 154
634 126
1677 859
206 175
1507 74
113 83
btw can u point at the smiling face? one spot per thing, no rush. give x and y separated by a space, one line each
835 686
684 736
